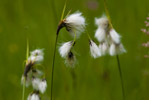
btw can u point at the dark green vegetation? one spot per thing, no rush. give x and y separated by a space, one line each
91 79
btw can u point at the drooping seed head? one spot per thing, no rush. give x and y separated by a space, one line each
94 50
36 56
116 49
74 23
43 86
35 83
104 48
115 36
102 22
65 48
34 96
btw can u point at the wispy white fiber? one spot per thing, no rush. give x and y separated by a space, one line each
115 36
65 49
43 86
33 96
94 50
75 23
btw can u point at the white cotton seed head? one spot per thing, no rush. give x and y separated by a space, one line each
36 56
75 23
116 49
115 36
94 50
39 59
35 83
102 22
36 59
65 49
104 47
33 96
112 50
37 52
100 34
43 86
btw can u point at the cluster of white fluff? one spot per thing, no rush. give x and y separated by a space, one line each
33 76
109 39
34 96
39 84
36 56
94 50
65 49
65 52
75 23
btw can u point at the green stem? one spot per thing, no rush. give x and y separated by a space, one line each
23 93
88 35
121 77
107 13
75 37
53 67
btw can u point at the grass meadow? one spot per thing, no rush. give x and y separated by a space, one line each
91 79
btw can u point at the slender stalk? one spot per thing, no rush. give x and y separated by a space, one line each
118 61
53 66
107 13
23 93
88 35
121 77
24 82
74 37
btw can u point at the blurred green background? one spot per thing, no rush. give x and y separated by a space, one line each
92 79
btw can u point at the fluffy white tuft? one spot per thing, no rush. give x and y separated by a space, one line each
116 49
112 50
102 22
37 52
35 83
65 49
100 34
104 47
115 36
36 56
36 59
94 50
43 86
76 23
33 97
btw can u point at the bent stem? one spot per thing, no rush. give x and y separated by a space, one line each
23 93
53 66
120 72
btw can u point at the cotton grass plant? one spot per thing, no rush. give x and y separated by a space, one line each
33 76
109 39
75 25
